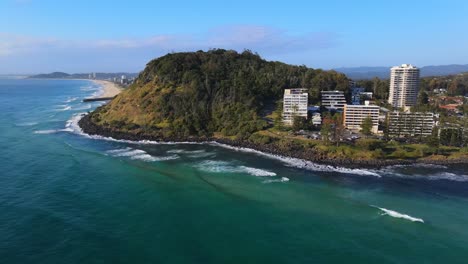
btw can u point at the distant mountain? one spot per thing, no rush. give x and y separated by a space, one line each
99 75
53 75
358 73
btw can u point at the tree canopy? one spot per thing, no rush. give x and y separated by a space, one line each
202 93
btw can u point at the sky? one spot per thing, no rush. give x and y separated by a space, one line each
39 36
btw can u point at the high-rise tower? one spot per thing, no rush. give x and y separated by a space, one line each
404 86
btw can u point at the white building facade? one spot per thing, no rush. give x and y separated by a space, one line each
404 86
401 124
333 100
353 115
295 103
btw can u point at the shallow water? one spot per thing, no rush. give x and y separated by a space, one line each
71 198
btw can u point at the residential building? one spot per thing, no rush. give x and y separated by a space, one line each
402 124
294 104
123 79
333 100
316 119
356 95
359 94
353 115
404 86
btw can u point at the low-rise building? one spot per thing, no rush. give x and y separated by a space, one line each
295 103
353 115
401 124
316 119
333 100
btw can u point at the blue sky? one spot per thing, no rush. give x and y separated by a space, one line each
83 36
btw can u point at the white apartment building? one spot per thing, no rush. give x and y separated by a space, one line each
410 124
295 103
333 99
353 115
404 86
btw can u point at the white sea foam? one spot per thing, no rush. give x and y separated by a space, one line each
52 131
399 215
186 151
25 124
118 150
257 172
294 162
72 99
130 153
433 176
63 108
227 167
303 164
282 179
138 154
89 88
417 165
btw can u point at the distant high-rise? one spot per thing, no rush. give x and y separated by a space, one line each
404 86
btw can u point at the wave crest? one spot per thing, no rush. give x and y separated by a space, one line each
399 215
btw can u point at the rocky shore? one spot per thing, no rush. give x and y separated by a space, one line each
91 128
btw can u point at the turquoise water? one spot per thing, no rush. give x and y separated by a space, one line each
69 198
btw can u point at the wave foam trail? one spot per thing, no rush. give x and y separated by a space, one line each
194 154
130 153
138 154
283 179
65 108
25 124
52 131
226 167
257 172
399 215
72 99
432 176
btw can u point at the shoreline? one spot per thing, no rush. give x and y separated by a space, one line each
91 129
110 89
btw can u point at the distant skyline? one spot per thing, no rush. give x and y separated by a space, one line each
110 36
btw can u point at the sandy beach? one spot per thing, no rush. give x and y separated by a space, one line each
110 88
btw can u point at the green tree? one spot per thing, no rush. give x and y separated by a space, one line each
338 128
299 123
278 116
366 126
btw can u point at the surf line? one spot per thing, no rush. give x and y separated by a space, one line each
398 215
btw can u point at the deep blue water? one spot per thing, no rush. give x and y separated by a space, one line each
69 198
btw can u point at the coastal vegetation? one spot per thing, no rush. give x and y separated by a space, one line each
202 93
234 98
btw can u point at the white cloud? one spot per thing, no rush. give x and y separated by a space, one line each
20 53
256 38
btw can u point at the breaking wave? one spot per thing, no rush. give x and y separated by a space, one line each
138 154
52 131
72 99
399 215
283 179
25 124
433 176
226 167
293 162
303 164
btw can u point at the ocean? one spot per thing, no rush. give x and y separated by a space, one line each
66 197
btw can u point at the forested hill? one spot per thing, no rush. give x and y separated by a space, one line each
201 93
